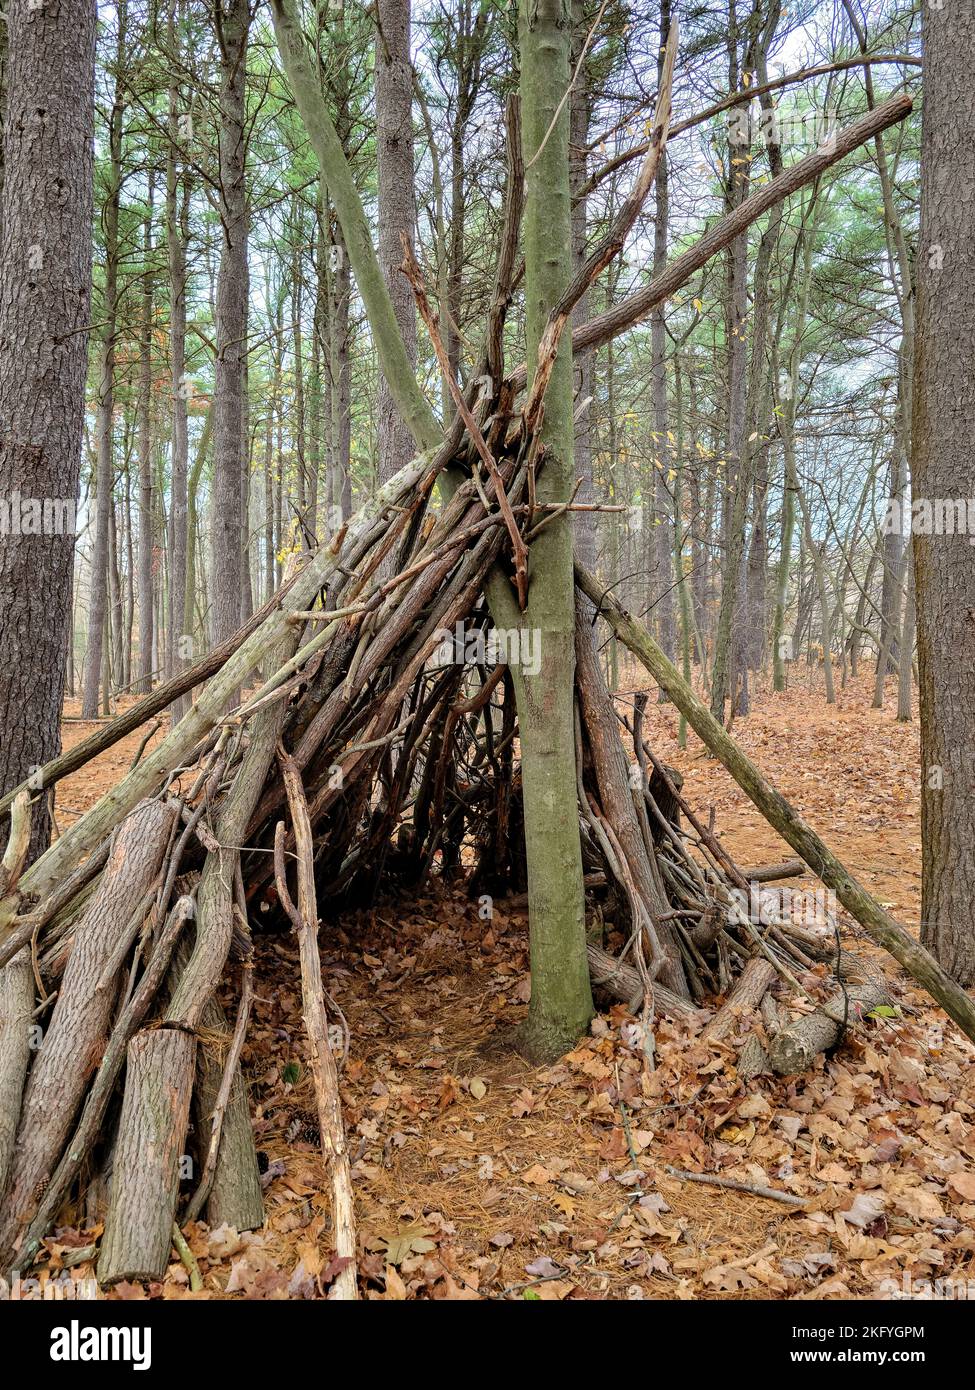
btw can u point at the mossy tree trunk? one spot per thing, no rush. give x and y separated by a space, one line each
561 1001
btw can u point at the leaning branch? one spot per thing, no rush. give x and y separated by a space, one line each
637 306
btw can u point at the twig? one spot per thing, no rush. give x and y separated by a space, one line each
188 1259
789 1199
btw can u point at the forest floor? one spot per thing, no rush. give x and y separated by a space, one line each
480 1176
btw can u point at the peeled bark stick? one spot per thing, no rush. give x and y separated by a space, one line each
876 922
151 1139
18 843
416 478
80 1022
796 1047
16 996
324 1071
746 994
16 1008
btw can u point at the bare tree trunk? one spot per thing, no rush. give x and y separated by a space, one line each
105 411
177 227
908 629
232 18
661 594
144 682
561 1000
735 505
397 208
45 308
944 467
579 115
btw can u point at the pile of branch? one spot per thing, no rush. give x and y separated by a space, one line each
376 744
370 751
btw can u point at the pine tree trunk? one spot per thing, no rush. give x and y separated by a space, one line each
105 410
944 467
177 226
226 509
144 683
45 308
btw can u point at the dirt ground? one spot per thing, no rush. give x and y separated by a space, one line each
479 1176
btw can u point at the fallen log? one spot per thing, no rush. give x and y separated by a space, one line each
796 1047
770 873
861 905
151 1140
753 1060
746 994
624 982
79 1025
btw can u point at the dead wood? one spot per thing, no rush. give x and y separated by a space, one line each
151 1141
78 1029
783 817
230 1185
795 1048
88 1129
623 982
746 995
769 873
323 1068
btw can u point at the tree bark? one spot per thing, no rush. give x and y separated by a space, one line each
78 1029
944 468
151 1139
45 308
796 1047
397 208
561 999
232 18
